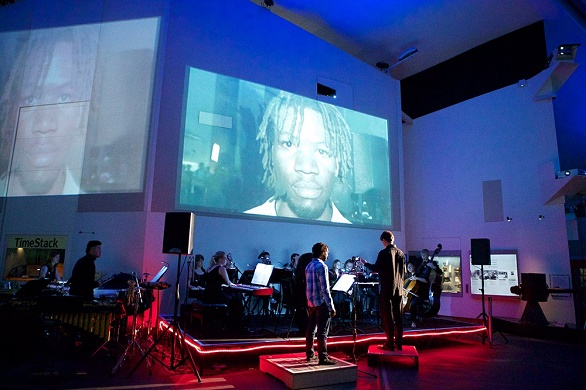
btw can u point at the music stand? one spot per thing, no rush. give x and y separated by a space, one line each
178 334
153 284
344 285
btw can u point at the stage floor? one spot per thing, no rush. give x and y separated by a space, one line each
277 335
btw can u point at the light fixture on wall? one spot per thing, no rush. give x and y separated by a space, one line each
509 219
541 216
566 52
522 83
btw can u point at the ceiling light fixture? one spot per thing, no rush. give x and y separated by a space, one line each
382 66
385 67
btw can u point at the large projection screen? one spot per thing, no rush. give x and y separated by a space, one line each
254 151
75 108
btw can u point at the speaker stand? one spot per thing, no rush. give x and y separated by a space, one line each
188 281
483 314
490 329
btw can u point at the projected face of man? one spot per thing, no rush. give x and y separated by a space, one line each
49 121
305 169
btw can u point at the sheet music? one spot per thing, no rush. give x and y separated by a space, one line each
159 274
262 274
344 283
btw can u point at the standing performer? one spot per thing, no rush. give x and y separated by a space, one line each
390 265
320 304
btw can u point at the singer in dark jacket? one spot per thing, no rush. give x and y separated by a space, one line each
390 265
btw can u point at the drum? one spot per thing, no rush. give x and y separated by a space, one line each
141 298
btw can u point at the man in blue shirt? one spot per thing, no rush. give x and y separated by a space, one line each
320 304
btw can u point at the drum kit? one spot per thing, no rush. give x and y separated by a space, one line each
134 295
137 298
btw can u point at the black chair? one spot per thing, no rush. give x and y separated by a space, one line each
208 319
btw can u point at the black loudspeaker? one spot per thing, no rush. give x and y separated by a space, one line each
534 287
178 234
480 251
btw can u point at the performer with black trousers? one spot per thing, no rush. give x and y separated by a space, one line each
390 265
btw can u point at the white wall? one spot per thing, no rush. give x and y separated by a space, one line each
241 40
504 135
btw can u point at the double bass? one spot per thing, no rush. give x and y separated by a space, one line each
412 285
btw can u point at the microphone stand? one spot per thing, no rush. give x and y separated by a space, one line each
177 334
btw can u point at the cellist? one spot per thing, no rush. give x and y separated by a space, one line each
421 294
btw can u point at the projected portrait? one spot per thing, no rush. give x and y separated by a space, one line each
75 108
257 151
54 72
306 149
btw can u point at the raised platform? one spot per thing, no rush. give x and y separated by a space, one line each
375 354
296 373
245 348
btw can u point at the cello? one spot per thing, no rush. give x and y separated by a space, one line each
412 285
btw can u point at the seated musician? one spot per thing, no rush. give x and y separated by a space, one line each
216 277
292 263
232 269
421 292
269 305
343 300
299 297
197 281
335 272
49 270
349 266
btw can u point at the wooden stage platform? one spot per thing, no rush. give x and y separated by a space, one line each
295 372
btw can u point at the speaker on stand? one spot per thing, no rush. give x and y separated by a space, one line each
177 239
480 255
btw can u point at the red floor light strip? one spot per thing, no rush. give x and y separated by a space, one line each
298 344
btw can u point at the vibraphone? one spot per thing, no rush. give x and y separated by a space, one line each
93 317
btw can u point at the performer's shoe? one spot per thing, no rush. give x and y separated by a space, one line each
310 358
386 347
413 324
327 362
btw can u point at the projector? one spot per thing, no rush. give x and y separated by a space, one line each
571 173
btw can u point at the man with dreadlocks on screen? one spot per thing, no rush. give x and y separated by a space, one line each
305 147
